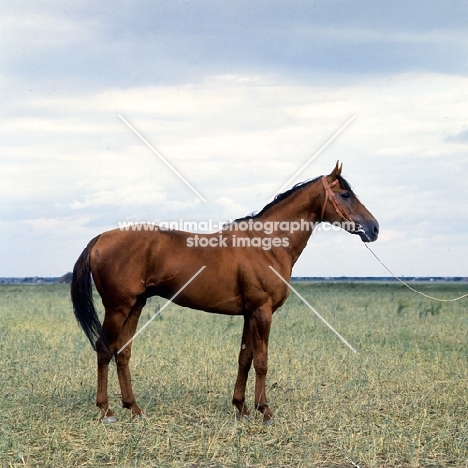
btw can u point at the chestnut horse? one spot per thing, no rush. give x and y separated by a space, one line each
128 266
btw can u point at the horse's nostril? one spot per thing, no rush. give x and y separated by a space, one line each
376 229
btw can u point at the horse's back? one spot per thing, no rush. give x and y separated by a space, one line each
127 264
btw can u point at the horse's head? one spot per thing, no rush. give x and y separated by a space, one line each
340 205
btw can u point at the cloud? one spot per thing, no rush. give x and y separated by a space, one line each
458 137
237 97
84 46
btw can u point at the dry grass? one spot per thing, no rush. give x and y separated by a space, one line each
401 401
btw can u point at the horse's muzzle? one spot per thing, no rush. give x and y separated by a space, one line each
368 232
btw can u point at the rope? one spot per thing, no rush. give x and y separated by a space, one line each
408 286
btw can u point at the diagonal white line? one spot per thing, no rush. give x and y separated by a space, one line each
312 309
407 285
161 309
317 153
159 156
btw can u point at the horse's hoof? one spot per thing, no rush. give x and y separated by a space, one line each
268 419
139 417
109 420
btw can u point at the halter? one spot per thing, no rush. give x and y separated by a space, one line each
330 195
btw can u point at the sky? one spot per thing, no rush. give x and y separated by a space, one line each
237 97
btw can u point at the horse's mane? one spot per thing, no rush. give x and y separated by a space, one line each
281 196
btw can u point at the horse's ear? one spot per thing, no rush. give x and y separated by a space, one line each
337 171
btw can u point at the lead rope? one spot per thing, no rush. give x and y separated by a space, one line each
408 286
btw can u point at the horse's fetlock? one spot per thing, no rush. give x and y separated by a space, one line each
238 401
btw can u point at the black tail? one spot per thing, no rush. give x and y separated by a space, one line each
81 291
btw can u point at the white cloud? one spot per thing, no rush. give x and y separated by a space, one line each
236 116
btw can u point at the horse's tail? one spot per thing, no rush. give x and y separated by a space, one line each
81 291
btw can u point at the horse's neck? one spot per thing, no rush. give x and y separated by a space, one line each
303 208
305 203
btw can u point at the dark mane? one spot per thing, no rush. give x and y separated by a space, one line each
344 183
281 196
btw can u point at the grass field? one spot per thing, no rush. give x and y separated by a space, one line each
401 401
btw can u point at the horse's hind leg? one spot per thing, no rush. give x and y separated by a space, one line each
102 400
123 357
115 321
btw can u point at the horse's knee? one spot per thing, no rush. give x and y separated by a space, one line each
245 365
261 366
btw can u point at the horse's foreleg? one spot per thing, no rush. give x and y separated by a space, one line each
245 361
260 323
123 357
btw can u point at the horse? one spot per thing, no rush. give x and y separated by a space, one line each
129 266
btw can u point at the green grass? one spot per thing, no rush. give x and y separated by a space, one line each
401 401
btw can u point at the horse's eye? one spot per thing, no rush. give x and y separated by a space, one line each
346 195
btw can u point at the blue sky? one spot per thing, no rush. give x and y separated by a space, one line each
237 96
